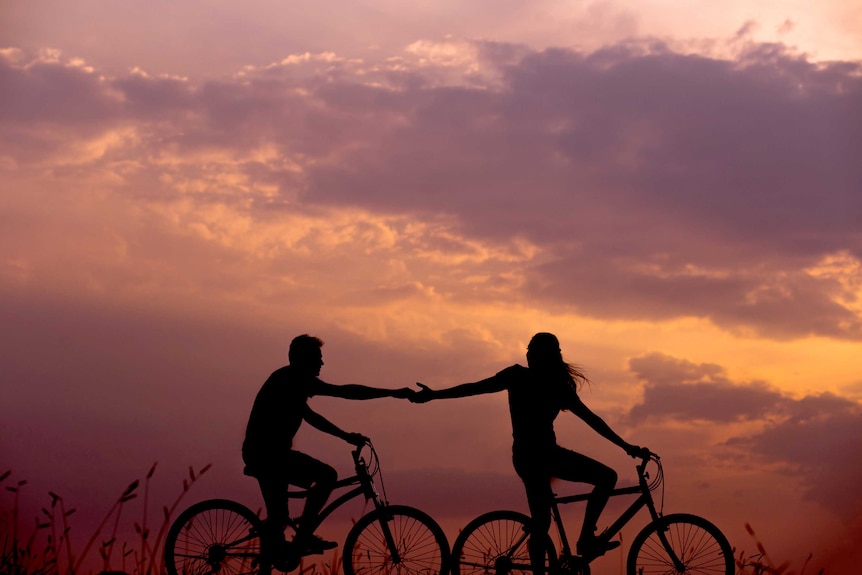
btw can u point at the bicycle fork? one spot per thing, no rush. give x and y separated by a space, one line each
388 537
661 531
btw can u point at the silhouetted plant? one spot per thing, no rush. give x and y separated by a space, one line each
53 554
761 563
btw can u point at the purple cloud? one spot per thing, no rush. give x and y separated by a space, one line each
654 184
818 437
682 390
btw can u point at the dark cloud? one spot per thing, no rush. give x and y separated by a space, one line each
659 184
823 447
679 389
656 184
50 92
817 437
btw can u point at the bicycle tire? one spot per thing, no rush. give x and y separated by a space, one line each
492 544
422 546
701 547
215 536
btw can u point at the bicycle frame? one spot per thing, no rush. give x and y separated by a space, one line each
362 479
645 499
365 486
221 534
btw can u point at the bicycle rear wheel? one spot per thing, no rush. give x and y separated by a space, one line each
700 546
497 543
216 536
420 544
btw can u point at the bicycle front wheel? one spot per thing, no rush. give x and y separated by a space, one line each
699 546
497 543
395 540
216 536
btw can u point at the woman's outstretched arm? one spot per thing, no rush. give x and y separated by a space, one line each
490 385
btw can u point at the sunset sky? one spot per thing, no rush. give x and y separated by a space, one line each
673 188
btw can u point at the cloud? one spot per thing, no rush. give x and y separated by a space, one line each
682 390
633 182
818 437
823 445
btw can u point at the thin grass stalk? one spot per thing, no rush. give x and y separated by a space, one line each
55 543
110 544
145 531
168 513
15 490
126 496
67 537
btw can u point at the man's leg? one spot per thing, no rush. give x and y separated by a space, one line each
319 479
273 487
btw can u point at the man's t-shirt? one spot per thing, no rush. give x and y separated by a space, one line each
277 413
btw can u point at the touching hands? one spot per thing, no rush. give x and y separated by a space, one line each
424 395
404 393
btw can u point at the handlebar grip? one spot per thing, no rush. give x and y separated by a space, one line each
645 455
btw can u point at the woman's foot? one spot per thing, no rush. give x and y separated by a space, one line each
592 546
312 544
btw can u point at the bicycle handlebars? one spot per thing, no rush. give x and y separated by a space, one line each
358 449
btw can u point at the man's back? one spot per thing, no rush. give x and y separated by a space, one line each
276 415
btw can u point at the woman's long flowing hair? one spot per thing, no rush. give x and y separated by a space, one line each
544 355
576 375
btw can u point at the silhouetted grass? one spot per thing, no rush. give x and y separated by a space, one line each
761 563
46 547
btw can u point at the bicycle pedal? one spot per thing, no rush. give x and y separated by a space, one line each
573 565
286 565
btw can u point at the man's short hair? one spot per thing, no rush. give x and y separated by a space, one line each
302 346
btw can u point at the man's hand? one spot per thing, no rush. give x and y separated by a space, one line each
635 451
356 439
425 395
403 393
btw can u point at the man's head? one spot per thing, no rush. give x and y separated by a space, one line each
305 354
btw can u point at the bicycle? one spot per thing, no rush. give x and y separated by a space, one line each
220 536
496 543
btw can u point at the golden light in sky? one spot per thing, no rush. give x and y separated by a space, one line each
671 188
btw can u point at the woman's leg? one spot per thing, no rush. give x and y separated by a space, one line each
531 467
539 496
572 466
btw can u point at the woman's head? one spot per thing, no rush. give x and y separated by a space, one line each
544 354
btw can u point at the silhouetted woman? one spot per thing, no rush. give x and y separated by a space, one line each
537 394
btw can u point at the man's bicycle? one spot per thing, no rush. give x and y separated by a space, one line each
219 536
496 543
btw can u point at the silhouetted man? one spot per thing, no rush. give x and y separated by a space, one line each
279 409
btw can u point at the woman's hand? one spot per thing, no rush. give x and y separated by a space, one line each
425 394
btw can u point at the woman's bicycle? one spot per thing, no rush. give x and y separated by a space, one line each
496 543
219 536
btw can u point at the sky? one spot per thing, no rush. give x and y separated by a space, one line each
673 188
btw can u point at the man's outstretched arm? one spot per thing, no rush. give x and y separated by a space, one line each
356 391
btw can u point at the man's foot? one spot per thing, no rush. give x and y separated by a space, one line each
595 546
311 544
